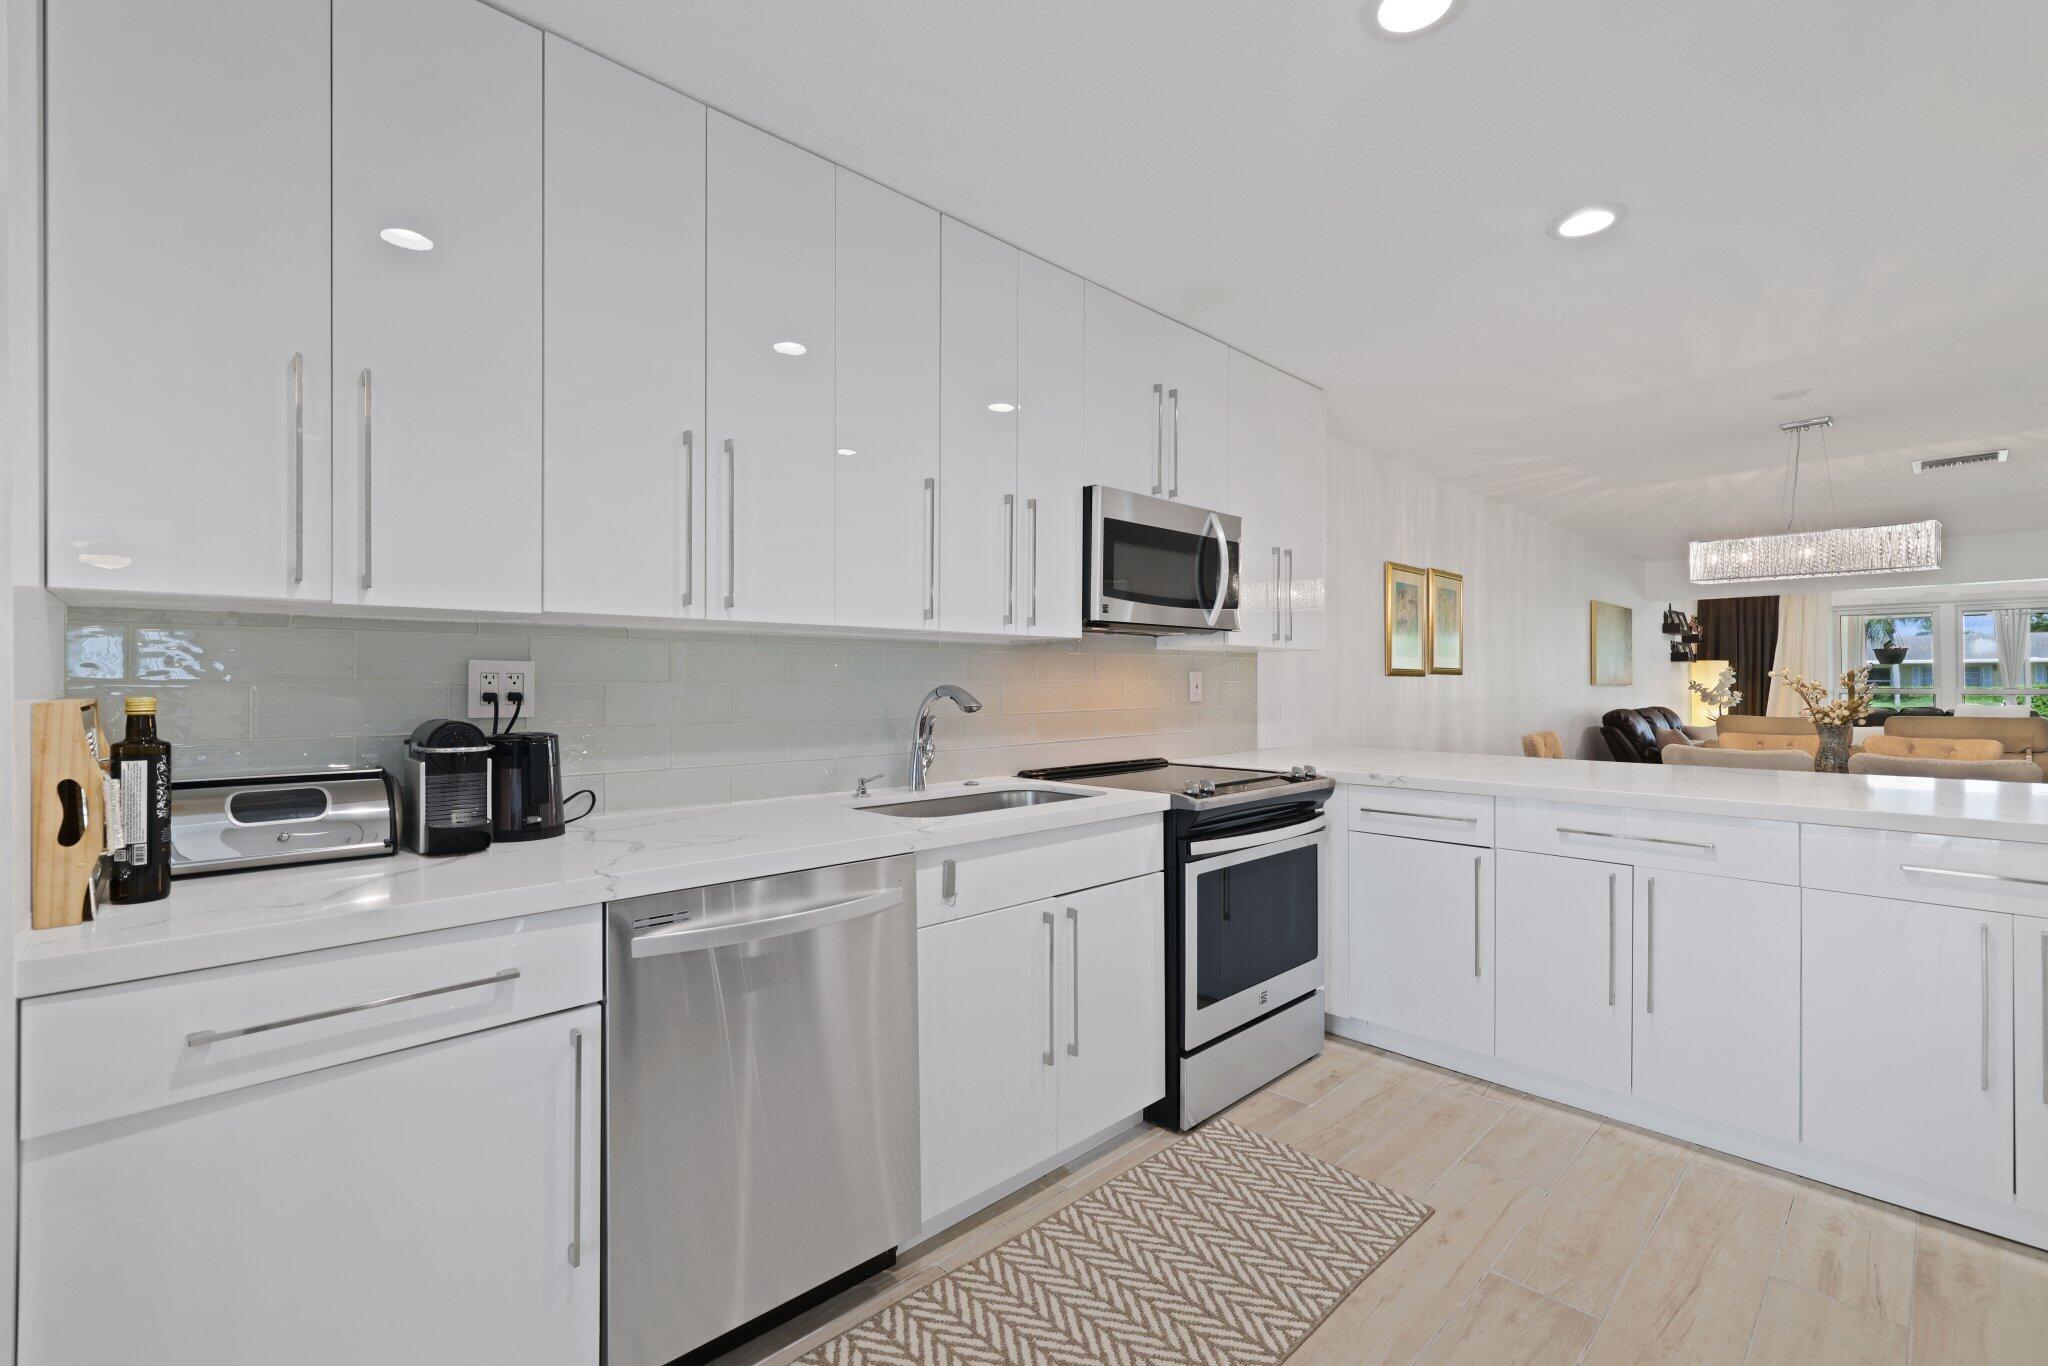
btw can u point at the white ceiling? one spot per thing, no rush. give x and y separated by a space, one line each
1843 196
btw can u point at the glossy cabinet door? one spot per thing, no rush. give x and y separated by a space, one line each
1717 999
1422 938
988 1049
1051 397
1258 500
1562 998
2030 1065
187 277
439 1184
625 341
437 352
1126 394
1111 1004
1907 1016
1197 374
770 265
980 520
888 406
1304 495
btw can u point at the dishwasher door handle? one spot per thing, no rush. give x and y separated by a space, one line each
693 938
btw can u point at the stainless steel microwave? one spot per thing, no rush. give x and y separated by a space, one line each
1155 567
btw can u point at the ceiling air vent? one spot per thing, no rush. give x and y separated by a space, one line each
1951 462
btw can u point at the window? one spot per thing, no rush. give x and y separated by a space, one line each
1985 669
1910 681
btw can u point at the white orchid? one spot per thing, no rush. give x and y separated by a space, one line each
1722 698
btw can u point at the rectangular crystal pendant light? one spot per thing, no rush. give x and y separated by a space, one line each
1900 549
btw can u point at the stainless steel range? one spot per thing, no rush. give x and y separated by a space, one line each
1244 971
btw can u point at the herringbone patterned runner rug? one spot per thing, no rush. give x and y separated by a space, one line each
1226 1248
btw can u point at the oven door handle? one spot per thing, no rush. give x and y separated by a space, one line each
1204 848
1214 525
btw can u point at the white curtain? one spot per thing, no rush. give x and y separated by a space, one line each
1804 620
2013 623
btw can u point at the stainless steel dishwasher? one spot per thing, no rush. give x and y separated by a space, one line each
760 1096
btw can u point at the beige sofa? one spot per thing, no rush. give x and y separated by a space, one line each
2023 737
1766 733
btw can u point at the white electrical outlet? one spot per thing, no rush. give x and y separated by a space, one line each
1194 685
503 677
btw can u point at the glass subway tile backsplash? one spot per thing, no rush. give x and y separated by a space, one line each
652 719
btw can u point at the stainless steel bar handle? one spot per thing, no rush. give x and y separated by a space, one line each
1158 439
931 548
1289 599
1031 506
1173 486
1232 843
1633 839
1974 877
206 1036
576 1155
1276 595
2044 1019
1611 879
1074 924
949 881
1984 993
1010 573
369 474
732 522
1650 949
1416 815
688 938
1478 872
689 517
298 467
1051 967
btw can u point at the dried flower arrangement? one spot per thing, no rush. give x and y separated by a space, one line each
1848 709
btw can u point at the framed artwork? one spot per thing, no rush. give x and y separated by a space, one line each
1614 645
1446 622
1407 620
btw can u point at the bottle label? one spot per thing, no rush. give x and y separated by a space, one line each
135 804
117 838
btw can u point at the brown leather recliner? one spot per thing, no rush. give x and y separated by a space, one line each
1631 732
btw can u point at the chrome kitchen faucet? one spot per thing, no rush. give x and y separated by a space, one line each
921 742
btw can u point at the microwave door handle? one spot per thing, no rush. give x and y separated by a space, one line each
1214 526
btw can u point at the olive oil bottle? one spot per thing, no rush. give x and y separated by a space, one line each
139 817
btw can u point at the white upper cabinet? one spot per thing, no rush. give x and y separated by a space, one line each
888 406
980 522
437 140
771 336
625 341
188 297
1126 395
1277 474
1304 490
1050 434
1197 376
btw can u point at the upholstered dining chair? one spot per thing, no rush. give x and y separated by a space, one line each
1542 744
1700 756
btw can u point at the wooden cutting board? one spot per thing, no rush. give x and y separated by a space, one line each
67 811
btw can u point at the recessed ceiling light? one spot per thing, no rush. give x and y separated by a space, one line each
844 451
1588 221
1786 395
1002 407
106 561
408 239
790 348
1408 18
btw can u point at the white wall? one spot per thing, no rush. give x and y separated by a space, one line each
1528 584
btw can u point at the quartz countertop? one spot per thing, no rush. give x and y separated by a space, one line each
241 917
1984 810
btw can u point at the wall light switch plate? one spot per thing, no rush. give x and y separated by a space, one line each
500 676
1194 685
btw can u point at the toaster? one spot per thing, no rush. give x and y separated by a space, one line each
229 825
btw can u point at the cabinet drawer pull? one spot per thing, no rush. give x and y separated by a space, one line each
689 479
1051 988
369 474
1173 485
298 467
1478 875
1289 598
732 521
1416 815
1650 950
1276 595
576 1153
1611 877
1984 994
1634 839
931 548
1158 439
207 1036
949 881
1031 506
1010 572
1074 924
1974 877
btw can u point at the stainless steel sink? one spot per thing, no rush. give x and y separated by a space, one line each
968 803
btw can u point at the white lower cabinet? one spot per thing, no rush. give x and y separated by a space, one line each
417 1208
2030 1061
1039 1025
1563 931
1908 1058
1422 938
1717 999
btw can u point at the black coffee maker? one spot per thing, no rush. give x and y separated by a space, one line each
526 786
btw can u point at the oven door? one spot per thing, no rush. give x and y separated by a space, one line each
1252 911
1159 565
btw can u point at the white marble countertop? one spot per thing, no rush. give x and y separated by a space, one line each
240 917
1985 810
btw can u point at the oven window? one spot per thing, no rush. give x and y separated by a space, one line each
1163 568
1254 921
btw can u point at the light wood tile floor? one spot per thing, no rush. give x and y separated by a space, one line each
1561 1237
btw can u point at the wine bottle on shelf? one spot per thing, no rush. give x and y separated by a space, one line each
139 814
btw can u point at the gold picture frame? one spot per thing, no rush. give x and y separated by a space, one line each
1407 612
1445 595
1611 631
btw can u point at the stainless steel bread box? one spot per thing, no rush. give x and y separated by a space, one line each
230 825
